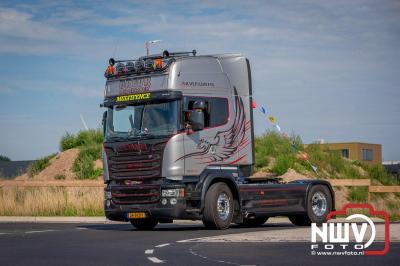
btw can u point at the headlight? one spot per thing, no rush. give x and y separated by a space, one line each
175 192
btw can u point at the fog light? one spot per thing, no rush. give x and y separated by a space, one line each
173 201
108 203
107 195
164 201
173 192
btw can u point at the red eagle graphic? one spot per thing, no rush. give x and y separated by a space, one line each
225 143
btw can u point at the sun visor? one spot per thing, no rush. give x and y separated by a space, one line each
134 85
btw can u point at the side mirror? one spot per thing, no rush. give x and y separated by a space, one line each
197 119
103 122
197 115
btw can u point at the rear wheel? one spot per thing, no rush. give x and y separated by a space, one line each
218 209
258 221
144 224
319 204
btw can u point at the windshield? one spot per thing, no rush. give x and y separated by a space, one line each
150 119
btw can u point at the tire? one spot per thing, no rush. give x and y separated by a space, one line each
144 224
258 221
220 195
319 204
300 220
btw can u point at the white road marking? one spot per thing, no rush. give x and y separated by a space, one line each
41 231
149 251
163 245
4 233
155 260
81 228
209 259
190 240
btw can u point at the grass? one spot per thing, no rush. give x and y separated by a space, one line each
277 153
89 143
38 166
59 177
51 201
82 138
284 149
358 194
84 166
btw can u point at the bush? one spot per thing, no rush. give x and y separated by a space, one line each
38 166
67 142
283 163
273 144
83 165
82 138
4 158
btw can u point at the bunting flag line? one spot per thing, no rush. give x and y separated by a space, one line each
304 155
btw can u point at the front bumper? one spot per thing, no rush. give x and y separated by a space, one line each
158 210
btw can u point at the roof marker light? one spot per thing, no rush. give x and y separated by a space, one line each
120 67
139 65
158 63
149 64
130 66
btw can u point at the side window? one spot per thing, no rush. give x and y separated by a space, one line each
216 113
218 110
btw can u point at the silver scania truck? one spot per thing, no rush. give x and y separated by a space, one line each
179 144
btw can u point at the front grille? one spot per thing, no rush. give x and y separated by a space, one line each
141 161
135 195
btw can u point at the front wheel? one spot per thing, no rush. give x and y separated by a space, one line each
218 209
144 224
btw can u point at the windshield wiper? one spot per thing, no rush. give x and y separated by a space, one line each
116 138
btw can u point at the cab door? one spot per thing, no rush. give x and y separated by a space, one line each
200 146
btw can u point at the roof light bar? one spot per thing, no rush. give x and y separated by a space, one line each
151 63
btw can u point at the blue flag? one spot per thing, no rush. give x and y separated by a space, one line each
263 109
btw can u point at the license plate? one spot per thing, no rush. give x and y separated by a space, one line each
137 215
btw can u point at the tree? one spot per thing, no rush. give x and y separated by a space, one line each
4 158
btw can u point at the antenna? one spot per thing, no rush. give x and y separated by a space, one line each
147 45
83 122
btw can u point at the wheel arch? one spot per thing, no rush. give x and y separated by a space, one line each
228 180
313 183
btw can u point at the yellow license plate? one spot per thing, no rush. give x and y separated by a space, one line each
137 215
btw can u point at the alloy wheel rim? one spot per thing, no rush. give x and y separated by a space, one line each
319 204
223 206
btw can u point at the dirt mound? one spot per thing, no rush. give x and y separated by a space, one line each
59 167
292 175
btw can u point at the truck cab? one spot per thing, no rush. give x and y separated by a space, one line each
179 144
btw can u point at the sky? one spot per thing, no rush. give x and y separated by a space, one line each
325 69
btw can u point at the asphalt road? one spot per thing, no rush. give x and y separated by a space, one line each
171 244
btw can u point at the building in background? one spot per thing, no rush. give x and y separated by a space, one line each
393 168
363 152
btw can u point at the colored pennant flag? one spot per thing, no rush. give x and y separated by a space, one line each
263 110
314 168
272 119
